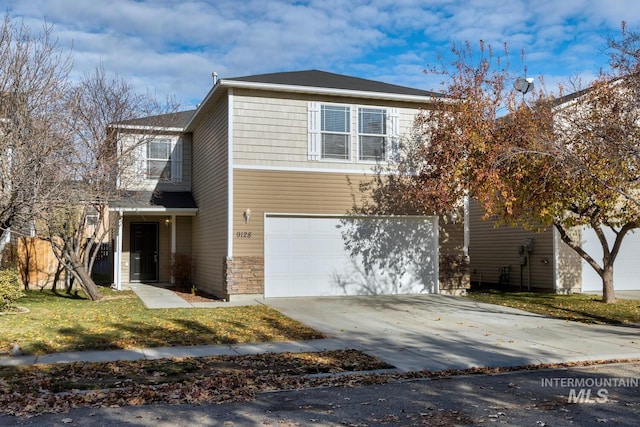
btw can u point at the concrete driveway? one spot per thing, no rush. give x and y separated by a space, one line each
414 332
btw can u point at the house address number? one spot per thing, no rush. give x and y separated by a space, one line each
243 234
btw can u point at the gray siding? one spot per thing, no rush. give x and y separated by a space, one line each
492 248
183 235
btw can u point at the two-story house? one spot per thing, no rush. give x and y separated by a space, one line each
254 185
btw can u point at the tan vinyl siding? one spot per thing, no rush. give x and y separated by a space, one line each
210 190
304 193
283 192
271 130
491 248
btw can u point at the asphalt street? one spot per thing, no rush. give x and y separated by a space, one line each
522 398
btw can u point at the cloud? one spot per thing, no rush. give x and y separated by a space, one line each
172 47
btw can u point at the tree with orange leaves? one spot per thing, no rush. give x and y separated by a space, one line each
535 159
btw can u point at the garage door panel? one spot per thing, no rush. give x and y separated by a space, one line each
305 256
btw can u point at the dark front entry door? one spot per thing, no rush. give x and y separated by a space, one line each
144 252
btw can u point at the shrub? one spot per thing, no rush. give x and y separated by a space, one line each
10 288
9 256
181 271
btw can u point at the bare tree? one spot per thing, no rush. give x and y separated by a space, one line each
33 130
76 222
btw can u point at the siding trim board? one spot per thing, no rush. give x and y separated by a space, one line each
369 169
230 173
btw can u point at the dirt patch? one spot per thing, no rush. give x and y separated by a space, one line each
197 296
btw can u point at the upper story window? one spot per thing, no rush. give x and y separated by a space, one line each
336 129
372 133
159 159
336 132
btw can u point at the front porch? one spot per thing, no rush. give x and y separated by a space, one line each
149 232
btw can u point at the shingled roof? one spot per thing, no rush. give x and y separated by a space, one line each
323 79
171 120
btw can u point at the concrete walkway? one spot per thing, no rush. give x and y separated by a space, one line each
157 296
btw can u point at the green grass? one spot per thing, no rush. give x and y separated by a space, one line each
60 322
578 307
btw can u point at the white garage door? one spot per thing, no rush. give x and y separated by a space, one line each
306 256
626 268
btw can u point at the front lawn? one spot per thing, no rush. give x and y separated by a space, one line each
579 307
60 322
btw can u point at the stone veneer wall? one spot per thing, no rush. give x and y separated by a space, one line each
454 275
244 275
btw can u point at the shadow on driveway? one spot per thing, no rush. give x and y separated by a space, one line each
416 332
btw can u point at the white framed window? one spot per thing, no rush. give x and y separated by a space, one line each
159 159
335 131
372 133
331 135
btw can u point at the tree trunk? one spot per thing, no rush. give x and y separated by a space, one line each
608 294
83 277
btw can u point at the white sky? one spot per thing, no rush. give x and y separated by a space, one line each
172 47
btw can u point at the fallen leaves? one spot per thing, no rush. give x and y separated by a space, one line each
30 390
34 389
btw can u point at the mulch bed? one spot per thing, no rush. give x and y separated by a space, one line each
198 296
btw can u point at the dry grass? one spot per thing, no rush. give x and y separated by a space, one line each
60 323
580 307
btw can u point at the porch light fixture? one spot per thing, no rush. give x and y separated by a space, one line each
247 215
167 221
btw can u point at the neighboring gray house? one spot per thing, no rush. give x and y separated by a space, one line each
500 257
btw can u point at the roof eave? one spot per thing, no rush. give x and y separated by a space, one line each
214 90
328 91
148 128
156 210
223 84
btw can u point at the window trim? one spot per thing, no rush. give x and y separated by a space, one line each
391 137
174 160
168 161
348 134
385 135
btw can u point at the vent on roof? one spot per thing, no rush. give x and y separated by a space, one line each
215 77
